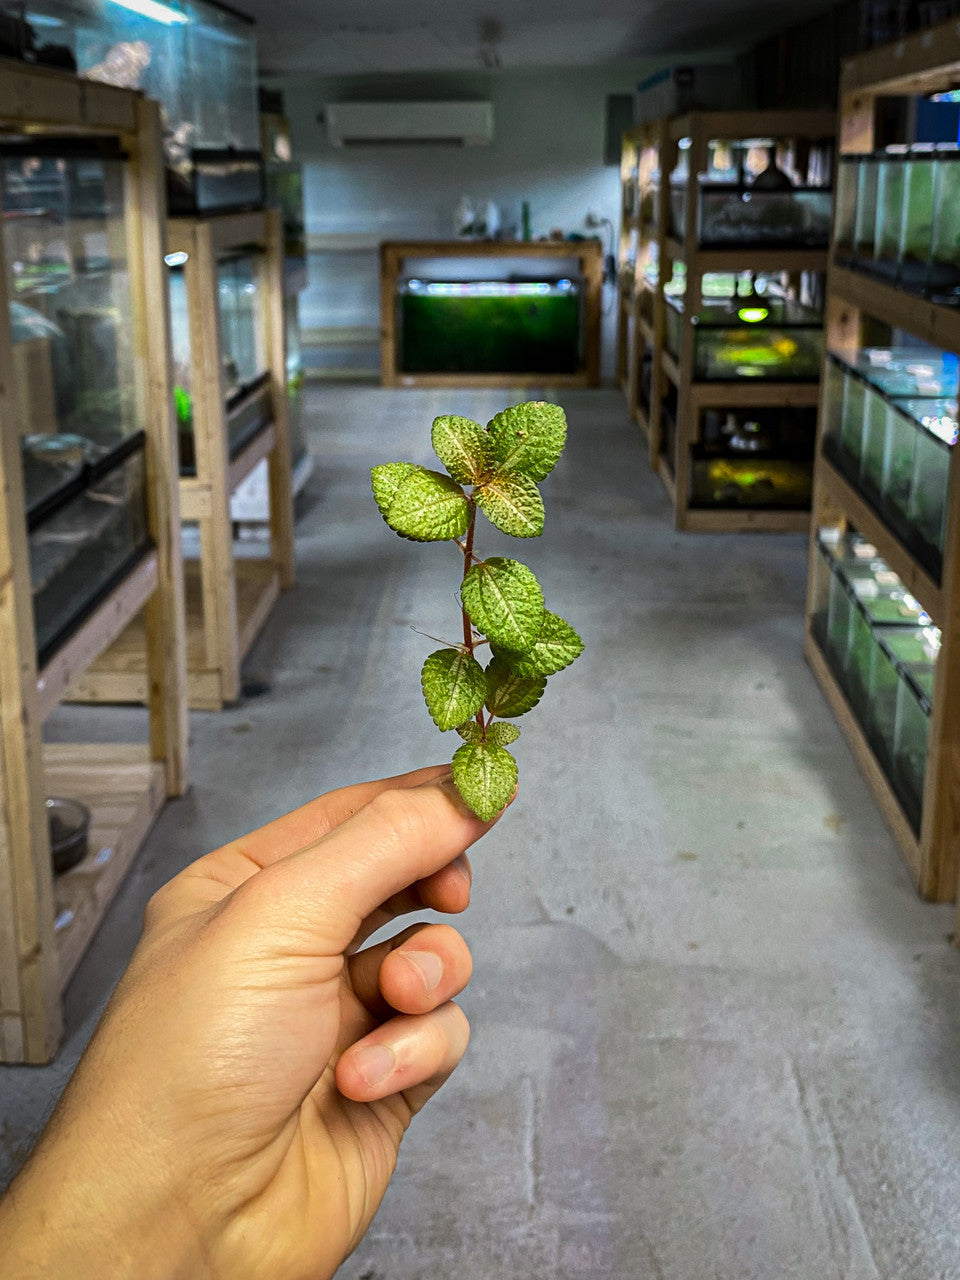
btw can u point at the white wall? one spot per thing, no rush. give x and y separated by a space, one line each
547 149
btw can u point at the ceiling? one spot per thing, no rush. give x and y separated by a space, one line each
368 37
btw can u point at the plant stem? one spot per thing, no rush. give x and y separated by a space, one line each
467 547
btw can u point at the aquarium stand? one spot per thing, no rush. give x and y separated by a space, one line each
856 305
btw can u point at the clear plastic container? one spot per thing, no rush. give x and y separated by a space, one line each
890 189
916 229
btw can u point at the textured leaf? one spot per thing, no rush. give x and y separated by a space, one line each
556 647
529 437
454 687
502 734
428 507
387 479
470 731
463 447
509 694
486 777
504 600
512 502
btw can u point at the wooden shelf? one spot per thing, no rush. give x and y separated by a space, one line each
755 393
869 766
120 676
940 326
748 258
743 520
670 367
124 790
96 635
46 924
196 496
838 490
920 64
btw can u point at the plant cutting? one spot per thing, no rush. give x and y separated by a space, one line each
495 469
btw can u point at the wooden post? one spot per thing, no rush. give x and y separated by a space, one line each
591 264
389 270
280 456
29 969
164 612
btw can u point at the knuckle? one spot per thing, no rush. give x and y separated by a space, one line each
402 814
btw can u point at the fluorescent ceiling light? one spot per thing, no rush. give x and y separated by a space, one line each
154 9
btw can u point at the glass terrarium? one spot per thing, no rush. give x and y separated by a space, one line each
754 213
930 478
895 650
489 326
757 337
74 391
244 368
284 190
199 60
759 458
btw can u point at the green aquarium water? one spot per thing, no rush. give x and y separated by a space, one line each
916 228
845 207
890 188
489 327
865 223
943 282
911 739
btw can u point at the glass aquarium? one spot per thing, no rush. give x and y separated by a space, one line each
890 189
295 378
244 367
943 275
916 228
489 326
865 223
284 191
911 736
74 391
895 651
845 208
198 59
757 337
759 459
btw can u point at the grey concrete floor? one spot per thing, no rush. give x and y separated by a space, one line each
715 1034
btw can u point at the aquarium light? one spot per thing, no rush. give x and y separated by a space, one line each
43 20
752 315
155 9
176 259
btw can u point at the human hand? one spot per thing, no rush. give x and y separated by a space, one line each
239 1108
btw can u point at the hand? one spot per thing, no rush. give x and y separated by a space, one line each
239 1108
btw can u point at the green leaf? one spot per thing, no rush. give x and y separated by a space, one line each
454 687
502 734
504 601
470 731
387 479
529 437
463 447
486 777
509 694
512 502
556 647
428 507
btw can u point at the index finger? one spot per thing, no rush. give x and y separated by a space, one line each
318 898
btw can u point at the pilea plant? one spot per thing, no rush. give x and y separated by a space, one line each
502 601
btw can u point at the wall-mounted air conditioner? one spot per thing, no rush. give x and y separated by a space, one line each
464 124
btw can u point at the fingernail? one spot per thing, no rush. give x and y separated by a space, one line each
374 1062
428 965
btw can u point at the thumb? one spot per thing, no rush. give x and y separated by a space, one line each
325 891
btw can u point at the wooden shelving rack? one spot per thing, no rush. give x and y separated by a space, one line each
46 924
228 597
920 64
693 396
640 267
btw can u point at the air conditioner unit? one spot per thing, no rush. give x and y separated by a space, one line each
463 124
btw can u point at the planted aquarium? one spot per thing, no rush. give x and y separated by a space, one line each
757 337
911 736
890 190
916 224
489 326
198 59
244 369
865 222
754 459
74 392
943 273
284 190
845 208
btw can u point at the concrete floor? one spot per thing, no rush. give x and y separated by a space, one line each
715 1035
